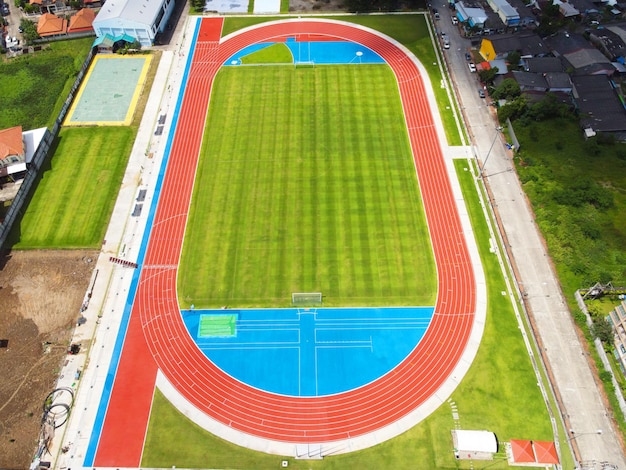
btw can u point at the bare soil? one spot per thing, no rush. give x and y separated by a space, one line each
41 293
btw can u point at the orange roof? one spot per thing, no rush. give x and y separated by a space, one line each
522 451
50 24
11 142
82 21
545 452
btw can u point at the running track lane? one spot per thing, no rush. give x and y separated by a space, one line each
266 415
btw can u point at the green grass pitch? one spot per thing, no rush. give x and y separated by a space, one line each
306 183
76 192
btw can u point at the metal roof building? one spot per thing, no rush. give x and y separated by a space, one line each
141 19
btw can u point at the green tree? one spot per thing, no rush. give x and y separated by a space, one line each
508 90
513 109
603 330
29 30
198 5
513 58
487 76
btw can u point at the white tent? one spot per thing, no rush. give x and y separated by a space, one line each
480 445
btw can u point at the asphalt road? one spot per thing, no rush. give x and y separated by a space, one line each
592 434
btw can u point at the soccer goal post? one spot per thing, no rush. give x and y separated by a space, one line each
306 298
304 64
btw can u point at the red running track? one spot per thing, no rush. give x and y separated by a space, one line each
157 325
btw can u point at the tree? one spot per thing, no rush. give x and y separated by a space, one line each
29 30
512 109
603 330
508 90
513 58
198 5
487 76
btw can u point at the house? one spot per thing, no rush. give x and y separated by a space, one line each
44 5
527 18
475 17
543 64
599 105
51 25
558 82
508 15
617 318
526 44
82 21
140 19
579 55
12 156
610 43
567 10
529 81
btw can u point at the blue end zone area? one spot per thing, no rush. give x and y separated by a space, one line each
312 352
323 52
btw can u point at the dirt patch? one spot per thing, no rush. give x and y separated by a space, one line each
316 5
41 293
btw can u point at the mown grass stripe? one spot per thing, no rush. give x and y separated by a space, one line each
302 186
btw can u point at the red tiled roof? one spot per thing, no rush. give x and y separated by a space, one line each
82 21
50 24
522 451
545 452
11 142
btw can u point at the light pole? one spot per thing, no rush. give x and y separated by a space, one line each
498 129
575 435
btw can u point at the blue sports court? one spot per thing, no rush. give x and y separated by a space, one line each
308 352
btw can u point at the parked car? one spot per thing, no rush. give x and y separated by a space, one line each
472 67
455 20
481 92
446 45
468 56
4 9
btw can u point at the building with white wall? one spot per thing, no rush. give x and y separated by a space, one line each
140 19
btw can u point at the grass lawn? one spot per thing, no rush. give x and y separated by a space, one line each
47 75
76 192
306 187
411 31
499 393
578 193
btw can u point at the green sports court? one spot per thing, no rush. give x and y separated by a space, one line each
110 91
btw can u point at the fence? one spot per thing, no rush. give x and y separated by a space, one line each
42 154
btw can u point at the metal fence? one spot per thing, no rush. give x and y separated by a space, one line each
42 154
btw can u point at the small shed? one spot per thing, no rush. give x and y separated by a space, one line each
474 445
531 453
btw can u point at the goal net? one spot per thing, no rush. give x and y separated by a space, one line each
304 64
306 298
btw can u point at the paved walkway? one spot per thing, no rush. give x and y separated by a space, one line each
110 283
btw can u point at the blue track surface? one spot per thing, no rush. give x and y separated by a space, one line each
313 352
324 52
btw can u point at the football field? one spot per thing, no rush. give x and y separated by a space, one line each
306 183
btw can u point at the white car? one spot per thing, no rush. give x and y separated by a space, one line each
455 20
446 45
472 67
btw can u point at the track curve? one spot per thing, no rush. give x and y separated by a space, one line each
303 419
